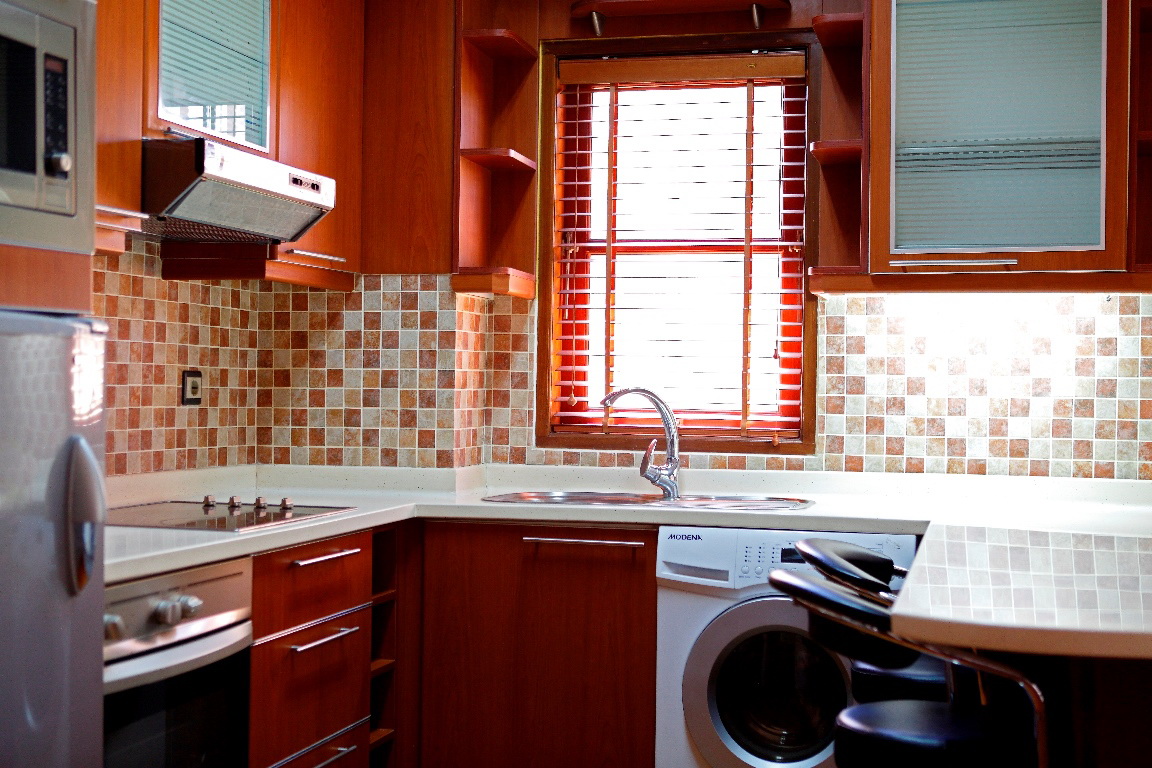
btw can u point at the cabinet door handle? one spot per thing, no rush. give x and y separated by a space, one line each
322 558
343 752
594 542
344 632
121 212
953 262
315 255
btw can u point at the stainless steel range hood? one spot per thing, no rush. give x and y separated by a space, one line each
204 191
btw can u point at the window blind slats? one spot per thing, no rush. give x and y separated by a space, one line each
214 66
678 253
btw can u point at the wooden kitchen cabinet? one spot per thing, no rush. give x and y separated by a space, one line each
997 167
120 67
307 685
454 184
838 65
539 646
320 126
314 123
312 623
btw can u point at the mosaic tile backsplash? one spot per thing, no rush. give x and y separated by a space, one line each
402 372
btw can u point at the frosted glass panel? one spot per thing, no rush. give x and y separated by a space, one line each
997 125
214 64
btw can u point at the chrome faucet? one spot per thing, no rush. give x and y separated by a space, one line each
663 476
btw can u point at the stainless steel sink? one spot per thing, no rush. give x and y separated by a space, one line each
752 502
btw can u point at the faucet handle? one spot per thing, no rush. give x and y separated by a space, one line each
646 461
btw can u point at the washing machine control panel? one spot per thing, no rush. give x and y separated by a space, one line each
737 558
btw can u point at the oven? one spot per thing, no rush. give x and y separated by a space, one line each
176 669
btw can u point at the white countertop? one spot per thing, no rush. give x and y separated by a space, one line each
1025 564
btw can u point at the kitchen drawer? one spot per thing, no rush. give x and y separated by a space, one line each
348 750
308 685
294 586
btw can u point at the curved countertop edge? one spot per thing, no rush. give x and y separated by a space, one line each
1052 641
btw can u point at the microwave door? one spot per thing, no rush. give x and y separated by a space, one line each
19 117
51 572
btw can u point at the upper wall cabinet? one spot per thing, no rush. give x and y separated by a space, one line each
452 103
280 78
320 126
999 135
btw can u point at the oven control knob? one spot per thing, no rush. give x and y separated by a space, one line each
285 504
114 628
209 501
234 502
260 503
168 613
189 605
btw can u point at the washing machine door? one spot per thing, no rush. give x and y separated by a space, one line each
759 692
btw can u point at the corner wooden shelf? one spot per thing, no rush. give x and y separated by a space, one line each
837 151
584 8
503 281
839 30
380 666
499 159
500 43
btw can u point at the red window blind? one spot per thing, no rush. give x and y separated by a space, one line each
678 258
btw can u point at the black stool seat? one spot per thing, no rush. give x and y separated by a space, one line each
924 680
923 733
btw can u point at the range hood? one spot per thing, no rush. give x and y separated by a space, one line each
205 191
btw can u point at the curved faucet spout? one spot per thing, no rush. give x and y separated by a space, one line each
663 476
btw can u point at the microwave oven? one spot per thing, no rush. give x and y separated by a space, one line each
47 144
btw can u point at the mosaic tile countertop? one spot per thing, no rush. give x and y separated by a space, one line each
1058 593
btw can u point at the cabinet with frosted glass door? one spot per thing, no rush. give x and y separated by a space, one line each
999 136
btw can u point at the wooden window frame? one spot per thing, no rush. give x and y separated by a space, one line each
546 437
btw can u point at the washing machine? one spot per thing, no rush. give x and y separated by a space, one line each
739 681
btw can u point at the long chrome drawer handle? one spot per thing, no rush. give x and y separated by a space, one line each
953 262
344 632
315 254
344 752
597 542
322 558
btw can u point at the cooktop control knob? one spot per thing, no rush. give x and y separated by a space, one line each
285 504
209 501
260 503
234 502
114 628
168 613
189 605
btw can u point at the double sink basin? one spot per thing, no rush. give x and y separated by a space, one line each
752 502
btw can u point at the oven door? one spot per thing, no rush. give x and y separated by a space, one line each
183 706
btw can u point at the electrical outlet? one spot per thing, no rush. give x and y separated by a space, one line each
191 387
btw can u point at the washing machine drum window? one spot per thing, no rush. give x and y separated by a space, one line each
759 692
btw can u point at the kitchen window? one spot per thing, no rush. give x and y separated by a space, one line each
677 253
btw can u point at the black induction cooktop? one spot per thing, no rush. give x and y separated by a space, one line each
221 516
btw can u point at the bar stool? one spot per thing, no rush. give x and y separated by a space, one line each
914 733
870 574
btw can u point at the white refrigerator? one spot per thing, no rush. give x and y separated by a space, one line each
51 540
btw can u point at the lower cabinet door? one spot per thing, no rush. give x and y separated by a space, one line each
348 750
307 685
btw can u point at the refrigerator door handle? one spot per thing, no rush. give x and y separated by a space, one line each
85 511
